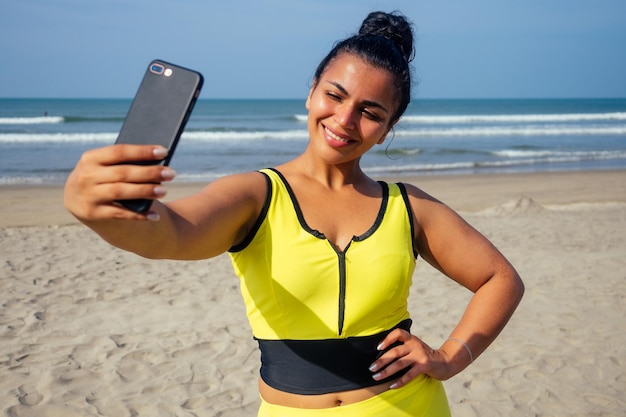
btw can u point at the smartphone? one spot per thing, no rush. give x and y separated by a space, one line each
159 113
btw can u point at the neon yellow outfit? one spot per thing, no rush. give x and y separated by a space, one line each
422 397
299 289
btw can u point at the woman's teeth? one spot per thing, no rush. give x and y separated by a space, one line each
335 137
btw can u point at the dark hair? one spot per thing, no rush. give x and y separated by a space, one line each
384 40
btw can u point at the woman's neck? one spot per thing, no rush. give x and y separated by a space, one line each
332 176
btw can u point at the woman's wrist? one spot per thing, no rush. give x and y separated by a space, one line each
467 348
458 355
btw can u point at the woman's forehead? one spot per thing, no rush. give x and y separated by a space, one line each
357 76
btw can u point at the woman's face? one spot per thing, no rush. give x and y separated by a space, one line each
350 108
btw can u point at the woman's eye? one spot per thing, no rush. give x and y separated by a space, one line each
333 96
370 115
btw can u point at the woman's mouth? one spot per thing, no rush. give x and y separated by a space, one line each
336 137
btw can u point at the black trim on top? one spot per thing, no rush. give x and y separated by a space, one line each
409 210
379 217
297 208
377 222
257 224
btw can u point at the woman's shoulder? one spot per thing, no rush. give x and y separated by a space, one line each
243 179
422 203
415 192
247 185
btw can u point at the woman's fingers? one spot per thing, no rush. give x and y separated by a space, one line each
123 153
394 345
110 192
124 163
130 173
106 175
405 351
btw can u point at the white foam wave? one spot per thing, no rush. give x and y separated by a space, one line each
514 131
204 136
513 153
549 158
31 120
110 137
232 136
57 137
399 169
32 179
201 177
515 118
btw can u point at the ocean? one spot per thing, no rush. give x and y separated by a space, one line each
42 139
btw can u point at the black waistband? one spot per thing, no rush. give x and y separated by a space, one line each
322 366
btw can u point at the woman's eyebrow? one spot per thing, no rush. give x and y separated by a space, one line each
368 103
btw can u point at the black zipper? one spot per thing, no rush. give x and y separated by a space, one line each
342 290
341 257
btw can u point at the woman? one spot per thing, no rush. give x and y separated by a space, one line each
325 254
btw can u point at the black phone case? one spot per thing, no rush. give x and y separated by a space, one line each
159 113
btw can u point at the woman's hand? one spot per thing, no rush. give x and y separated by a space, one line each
198 226
410 352
105 175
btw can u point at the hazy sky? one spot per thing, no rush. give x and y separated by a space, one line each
269 49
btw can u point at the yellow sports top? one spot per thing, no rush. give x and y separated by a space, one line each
296 285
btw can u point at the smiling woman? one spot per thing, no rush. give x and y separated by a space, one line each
325 253
350 107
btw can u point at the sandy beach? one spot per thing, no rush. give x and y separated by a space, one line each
89 330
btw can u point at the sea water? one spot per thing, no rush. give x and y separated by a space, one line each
42 139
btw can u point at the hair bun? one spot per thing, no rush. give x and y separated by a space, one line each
393 26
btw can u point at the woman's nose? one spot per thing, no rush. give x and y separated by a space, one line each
345 115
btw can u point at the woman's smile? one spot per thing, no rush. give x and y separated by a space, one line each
335 140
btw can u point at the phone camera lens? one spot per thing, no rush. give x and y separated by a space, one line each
156 69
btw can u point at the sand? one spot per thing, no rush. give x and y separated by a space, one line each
89 330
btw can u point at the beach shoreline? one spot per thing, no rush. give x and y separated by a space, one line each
38 205
89 330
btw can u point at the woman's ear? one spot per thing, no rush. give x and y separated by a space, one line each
308 99
391 125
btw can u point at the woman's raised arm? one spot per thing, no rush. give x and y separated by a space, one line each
199 226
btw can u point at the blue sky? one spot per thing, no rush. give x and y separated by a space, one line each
269 49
